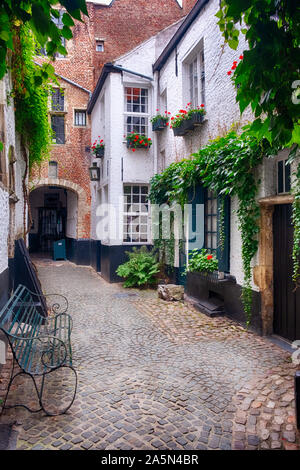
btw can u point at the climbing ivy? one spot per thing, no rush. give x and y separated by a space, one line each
31 88
227 167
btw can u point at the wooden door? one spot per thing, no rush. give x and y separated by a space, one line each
286 299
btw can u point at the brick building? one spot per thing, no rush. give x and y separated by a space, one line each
61 198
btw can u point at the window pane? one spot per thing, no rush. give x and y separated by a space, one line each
135 226
136 100
52 171
58 100
80 118
58 128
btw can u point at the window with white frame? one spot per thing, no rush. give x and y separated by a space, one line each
79 117
136 110
135 216
196 78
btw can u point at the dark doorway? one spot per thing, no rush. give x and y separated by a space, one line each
49 211
51 227
286 298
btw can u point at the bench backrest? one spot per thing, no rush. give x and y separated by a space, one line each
20 315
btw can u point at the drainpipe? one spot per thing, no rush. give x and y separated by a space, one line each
155 140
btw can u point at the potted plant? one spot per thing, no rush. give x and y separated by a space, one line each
178 123
187 119
196 115
98 147
160 121
138 141
204 263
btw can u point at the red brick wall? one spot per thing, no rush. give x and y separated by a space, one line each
127 23
123 25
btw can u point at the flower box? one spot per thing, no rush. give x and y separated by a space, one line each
180 130
185 126
99 152
131 145
188 125
136 141
197 119
159 125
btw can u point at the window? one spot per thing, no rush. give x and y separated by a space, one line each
57 100
283 177
135 221
212 224
196 79
52 170
58 128
136 110
211 218
59 23
100 46
57 117
80 117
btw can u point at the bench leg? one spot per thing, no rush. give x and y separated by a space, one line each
12 378
69 405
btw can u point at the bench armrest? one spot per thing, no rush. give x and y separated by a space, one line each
47 349
57 303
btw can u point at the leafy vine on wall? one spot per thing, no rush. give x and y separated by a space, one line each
227 167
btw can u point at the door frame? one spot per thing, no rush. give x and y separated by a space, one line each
263 273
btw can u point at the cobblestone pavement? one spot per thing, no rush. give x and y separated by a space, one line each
157 375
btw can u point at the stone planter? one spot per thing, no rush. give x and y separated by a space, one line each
99 153
159 125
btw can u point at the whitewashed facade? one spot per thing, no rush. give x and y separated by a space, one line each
12 168
191 67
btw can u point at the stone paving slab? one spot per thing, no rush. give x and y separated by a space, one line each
157 375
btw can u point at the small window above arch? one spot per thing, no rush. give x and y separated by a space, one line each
53 170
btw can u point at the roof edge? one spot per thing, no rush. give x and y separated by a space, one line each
107 68
190 18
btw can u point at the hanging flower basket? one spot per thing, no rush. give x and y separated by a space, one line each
197 119
98 147
159 125
99 152
160 121
187 119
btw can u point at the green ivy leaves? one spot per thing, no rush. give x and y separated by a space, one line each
265 78
226 166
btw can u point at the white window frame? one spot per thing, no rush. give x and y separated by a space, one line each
195 91
82 111
133 212
133 114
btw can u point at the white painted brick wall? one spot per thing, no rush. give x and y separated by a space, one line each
4 223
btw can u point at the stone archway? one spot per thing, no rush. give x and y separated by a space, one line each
83 207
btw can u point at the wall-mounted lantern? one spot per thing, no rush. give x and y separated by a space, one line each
94 172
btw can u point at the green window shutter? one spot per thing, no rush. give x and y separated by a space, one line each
223 255
196 196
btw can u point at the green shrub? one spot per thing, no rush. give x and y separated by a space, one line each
141 268
202 261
